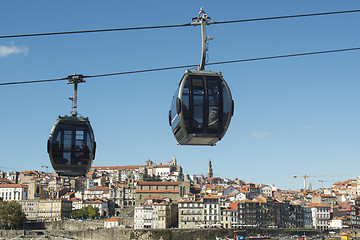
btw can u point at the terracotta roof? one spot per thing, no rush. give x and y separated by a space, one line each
317 205
162 166
98 188
4 180
113 219
154 183
120 167
76 199
13 186
210 196
157 191
120 185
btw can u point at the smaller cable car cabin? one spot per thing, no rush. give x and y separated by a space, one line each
201 109
71 146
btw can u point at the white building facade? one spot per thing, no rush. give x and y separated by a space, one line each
13 192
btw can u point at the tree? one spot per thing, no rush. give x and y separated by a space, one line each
85 213
11 214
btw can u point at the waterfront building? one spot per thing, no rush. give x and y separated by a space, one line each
211 211
113 222
190 212
320 215
53 209
30 208
228 217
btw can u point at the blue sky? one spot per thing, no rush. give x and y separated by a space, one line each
293 116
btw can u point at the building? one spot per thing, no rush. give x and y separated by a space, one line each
155 213
320 215
211 212
113 222
171 191
308 221
328 200
250 190
122 195
210 170
190 213
248 213
228 217
13 192
96 192
145 216
336 223
45 210
266 190
30 208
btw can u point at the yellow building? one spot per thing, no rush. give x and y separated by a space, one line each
53 209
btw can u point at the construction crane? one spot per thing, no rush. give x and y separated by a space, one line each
304 177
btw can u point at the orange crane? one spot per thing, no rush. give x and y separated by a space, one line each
304 177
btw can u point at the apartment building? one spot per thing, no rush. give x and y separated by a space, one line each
320 215
190 213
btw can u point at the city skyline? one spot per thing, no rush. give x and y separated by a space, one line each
294 116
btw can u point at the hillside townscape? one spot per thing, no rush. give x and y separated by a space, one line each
160 196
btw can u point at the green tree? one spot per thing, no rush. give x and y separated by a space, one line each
85 213
11 214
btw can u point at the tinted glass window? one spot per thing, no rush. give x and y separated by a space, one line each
186 111
198 104
174 117
213 94
71 145
226 104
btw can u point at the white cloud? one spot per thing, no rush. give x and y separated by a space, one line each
5 51
259 134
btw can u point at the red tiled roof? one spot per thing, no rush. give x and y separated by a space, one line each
13 186
153 183
317 205
120 167
162 166
157 191
210 196
4 180
113 219
98 188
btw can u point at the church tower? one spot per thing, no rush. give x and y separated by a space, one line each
210 170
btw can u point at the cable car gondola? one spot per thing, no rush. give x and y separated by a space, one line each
202 106
71 145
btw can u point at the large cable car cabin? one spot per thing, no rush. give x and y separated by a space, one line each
202 106
201 109
71 145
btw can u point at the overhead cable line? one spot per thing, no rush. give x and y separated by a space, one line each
177 25
289 16
94 31
189 66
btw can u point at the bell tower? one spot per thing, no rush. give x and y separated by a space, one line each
210 170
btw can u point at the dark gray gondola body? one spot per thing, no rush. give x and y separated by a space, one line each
71 146
201 109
